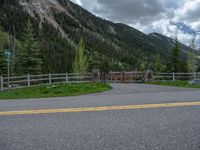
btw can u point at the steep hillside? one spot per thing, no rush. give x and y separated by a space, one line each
165 43
60 24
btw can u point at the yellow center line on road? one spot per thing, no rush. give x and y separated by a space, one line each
94 109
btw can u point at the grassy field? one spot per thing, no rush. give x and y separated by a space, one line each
60 90
176 83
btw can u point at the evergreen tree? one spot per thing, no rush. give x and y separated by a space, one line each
174 60
3 38
3 66
105 65
3 42
80 63
191 62
29 56
159 67
198 64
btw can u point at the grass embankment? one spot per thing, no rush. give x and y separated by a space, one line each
59 90
184 84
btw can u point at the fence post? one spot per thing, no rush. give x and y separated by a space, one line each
1 83
28 79
174 76
50 78
66 78
121 75
194 76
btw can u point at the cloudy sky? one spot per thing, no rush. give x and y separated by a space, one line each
169 17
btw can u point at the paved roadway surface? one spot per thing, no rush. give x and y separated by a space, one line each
170 128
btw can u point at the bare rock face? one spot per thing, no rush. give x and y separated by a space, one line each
43 9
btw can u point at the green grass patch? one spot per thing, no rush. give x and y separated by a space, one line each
184 84
59 90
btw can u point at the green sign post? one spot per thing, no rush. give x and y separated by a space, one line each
8 54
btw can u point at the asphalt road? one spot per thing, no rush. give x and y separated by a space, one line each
172 128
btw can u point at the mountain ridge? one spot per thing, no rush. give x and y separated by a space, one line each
127 47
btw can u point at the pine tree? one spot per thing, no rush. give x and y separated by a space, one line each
174 60
198 64
29 55
3 42
80 63
191 62
159 67
3 66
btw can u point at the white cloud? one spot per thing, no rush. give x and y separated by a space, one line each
79 2
189 13
149 16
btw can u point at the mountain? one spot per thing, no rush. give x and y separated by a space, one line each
61 24
165 43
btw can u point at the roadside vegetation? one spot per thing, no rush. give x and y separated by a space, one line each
184 84
59 90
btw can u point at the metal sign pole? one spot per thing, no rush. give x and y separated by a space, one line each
8 53
8 70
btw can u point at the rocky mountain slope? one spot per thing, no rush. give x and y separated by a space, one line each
165 43
60 24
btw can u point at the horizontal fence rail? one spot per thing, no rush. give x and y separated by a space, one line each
32 80
176 76
111 77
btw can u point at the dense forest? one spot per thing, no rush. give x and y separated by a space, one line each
49 42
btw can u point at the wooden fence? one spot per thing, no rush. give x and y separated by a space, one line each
112 77
123 77
176 76
32 80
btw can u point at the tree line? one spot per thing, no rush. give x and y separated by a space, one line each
33 54
175 64
108 46
27 57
